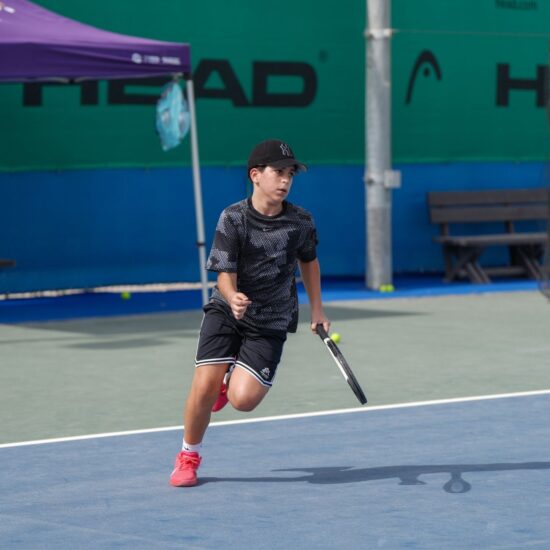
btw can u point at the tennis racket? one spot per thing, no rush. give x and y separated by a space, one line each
342 364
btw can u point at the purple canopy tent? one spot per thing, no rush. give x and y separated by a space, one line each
38 45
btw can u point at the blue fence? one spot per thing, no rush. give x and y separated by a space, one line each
79 229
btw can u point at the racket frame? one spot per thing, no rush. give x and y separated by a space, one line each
342 364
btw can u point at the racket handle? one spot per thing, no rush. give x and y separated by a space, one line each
321 331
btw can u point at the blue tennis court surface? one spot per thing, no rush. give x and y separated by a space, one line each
461 474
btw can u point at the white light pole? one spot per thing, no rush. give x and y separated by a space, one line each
379 178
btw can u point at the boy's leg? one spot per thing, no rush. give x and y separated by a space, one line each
219 342
204 391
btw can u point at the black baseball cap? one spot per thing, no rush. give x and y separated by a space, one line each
275 153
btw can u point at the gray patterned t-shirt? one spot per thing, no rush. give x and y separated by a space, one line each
264 251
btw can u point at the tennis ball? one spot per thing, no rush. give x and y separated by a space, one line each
125 295
335 337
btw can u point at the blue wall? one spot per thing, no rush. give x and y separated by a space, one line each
89 228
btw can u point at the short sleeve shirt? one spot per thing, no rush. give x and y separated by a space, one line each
263 251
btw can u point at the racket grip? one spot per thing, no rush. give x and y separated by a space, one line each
321 331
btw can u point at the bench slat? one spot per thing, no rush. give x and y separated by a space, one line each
490 196
511 239
472 214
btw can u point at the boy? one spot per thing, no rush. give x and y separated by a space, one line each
258 243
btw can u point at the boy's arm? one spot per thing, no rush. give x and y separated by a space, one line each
311 277
238 302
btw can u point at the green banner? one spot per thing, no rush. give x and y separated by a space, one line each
469 82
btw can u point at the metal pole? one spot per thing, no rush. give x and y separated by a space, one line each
197 191
378 176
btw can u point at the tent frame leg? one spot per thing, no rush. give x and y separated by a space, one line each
197 190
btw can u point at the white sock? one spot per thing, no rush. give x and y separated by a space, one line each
190 448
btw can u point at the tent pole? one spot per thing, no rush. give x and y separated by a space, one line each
377 176
199 214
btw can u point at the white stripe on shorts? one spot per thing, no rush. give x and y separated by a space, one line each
216 361
249 369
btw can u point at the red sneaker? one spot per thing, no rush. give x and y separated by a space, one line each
222 400
185 469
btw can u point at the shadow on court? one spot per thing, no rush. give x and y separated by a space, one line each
407 475
162 329
190 321
338 313
164 323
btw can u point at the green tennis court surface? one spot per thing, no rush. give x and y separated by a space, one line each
66 378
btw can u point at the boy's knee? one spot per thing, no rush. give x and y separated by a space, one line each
243 405
243 401
206 388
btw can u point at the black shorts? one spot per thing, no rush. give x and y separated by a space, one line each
224 340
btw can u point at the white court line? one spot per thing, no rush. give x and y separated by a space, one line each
283 417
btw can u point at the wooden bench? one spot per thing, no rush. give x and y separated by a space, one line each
461 253
7 263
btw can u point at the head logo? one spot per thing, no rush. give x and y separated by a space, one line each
428 59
